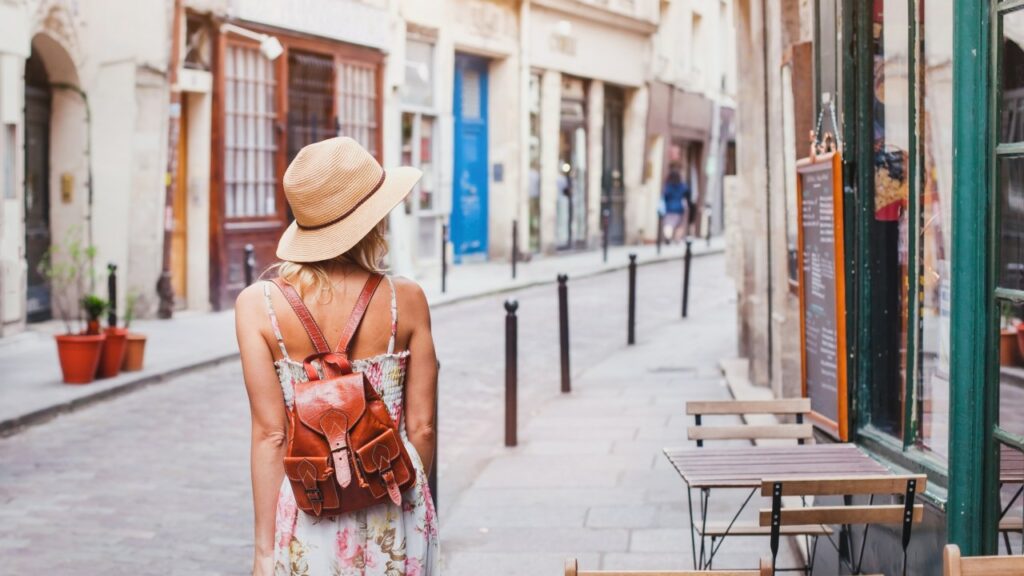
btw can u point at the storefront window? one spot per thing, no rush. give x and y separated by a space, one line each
891 146
419 143
250 140
936 157
357 103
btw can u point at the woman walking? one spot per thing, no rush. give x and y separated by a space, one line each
331 286
675 195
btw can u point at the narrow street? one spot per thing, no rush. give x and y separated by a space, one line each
156 482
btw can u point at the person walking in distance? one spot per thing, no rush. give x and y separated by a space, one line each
675 195
343 438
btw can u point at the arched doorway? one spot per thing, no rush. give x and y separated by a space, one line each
37 184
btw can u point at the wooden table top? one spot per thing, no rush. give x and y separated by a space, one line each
747 466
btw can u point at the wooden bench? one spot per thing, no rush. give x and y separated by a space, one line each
797 407
572 569
954 565
906 514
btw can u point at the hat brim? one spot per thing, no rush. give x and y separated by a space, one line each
298 245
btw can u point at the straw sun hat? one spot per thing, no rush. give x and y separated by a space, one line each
338 193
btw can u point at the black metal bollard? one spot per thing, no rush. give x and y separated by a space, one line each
250 264
661 231
515 246
686 277
444 258
605 221
112 294
631 327
563 329
511 375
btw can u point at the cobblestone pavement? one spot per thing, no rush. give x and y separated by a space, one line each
156 482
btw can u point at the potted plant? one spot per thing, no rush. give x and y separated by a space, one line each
113 350
67 266
135 343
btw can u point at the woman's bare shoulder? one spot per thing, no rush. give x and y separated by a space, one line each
412 301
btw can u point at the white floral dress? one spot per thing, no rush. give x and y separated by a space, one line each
386 540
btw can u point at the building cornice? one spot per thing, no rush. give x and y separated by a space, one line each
605 16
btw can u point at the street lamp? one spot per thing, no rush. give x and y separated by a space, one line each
270 46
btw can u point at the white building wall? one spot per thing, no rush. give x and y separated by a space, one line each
93 48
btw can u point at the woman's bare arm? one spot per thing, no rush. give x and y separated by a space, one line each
269 423
421 380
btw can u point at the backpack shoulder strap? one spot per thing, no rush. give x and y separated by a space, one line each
305 317
362 303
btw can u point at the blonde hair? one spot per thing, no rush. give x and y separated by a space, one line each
367 254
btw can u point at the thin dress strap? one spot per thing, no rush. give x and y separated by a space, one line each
273 320
394 316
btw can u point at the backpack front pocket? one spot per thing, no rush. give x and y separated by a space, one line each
312 480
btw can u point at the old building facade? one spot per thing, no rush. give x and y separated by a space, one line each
557 115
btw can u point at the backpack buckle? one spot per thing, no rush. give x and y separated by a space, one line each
315 495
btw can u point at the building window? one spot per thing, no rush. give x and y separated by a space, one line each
357 103
250 140
935 202
419 74
420 132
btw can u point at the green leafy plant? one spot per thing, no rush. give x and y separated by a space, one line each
94 306
130 302
67 266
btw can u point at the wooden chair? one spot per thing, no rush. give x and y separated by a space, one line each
954 565
572 569
906 514
798 407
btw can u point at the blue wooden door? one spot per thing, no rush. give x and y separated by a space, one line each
469 192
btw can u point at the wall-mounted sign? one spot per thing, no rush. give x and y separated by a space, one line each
822 290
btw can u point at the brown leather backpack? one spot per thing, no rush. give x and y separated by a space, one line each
344 451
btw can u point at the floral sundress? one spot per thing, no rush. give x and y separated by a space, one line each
386 539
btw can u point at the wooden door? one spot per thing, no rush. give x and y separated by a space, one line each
37 186
469 206
613 192
247 203
179 215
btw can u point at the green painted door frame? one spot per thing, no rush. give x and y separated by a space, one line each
973 508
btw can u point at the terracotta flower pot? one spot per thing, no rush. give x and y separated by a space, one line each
135 349
79 356
113 353
92 327
1009 355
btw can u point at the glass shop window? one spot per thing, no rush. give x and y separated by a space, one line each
891 132
936 206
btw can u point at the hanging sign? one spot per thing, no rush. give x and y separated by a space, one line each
822 290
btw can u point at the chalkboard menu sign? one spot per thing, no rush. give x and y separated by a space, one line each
822 290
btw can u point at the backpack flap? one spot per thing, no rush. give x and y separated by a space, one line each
330 408
382 463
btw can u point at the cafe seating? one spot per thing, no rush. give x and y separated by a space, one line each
796 407
955 565
572 569
905 514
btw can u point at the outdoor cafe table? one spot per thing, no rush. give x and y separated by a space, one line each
744 467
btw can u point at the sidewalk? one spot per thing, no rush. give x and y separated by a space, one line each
31 390
588 478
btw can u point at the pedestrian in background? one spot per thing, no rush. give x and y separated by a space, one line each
675 196
340 197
